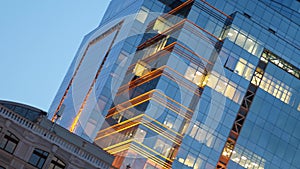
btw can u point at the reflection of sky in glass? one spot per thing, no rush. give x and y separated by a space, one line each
82 82
247 158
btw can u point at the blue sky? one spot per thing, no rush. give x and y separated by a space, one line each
38 42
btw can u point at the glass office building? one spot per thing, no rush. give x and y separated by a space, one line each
189 84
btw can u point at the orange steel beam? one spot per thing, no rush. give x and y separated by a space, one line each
151 96
153 39
143 80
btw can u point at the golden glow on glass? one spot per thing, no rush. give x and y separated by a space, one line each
141 149
152 119
164 156
151 155
141 68
145 122
118 144
152 95
190 160
123 126
75 121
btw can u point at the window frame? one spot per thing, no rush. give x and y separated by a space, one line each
41 154
9 138
57 163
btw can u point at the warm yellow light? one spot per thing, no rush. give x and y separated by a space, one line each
75 121
181 160
141 68
205 80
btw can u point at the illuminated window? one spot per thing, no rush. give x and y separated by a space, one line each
238 96
185 126
212 81
240 40
118 117
249 45
141 68
230 90
276 88
142 15
271 88
247 159
198 163
161 25
240 66
232 35
287 95
190 160
244 69
224 86
194 74
194 130
57 164
198 78
298 108
190 73
154 48
169 121
201 135
257 50
38 158
278 91
140 135
167 151
265 84
9 143
129 133
268 56
221 86
163 148
248 71
284 94
181 160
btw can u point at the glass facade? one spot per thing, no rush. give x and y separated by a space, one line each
189 84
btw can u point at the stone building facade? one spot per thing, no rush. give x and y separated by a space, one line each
28 140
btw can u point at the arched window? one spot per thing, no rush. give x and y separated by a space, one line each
9 142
